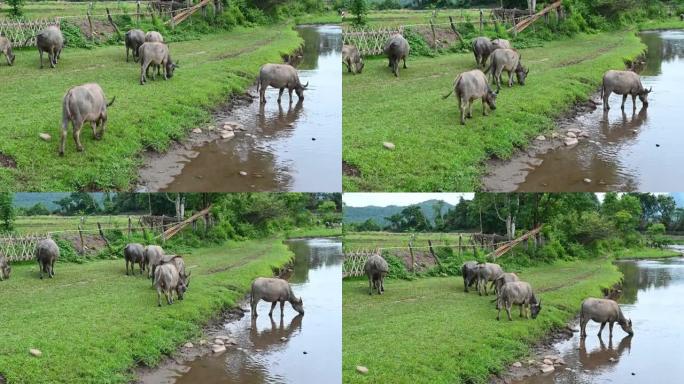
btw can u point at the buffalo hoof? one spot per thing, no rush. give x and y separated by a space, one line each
80 149
159 305
61 154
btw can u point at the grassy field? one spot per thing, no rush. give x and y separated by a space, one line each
372 240
646 253
93 323
42 224
412 17
433 151
143 117
314 232
38 9
429 330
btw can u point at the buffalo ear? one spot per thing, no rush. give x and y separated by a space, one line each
650 90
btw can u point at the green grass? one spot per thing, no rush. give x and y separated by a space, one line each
143 117
430 331
40 9
93 323
670 23
433 151
372 240
411 17
43 224
314 232
646 253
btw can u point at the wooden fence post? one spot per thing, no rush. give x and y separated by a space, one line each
481 21
432 251
143 227
130 227
111 21
80 235
99 227
137 12
90 26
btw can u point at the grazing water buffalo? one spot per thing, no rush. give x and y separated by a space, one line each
84 103
154 255
501 43
376 269
487 272
47 252
508 60
482 48
519 293
274 290
470 86
134 253
154 37
6 49
5 268
133 40
623 83
180 266
50 40
167 280
352 59
396 48
279 76
156 54
503 279
469 272
603 311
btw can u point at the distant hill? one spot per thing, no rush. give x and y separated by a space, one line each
27 199
378 214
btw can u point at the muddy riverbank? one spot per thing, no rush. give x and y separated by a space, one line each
248 146
278 349
622 150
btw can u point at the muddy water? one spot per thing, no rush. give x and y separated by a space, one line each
313 342
625 151
284 147
652 298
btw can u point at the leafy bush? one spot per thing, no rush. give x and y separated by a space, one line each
419 47
397 269
73 37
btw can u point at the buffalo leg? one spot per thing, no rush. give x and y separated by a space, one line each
462 107
583 327
405 62
606 95
77 135
290 94
370 285
382 284
169 296
262 94
93 125
601 330
282 308
51 56
280 94
510 79
634 103
470 116
508 311
41 268
522 310
610 329
484 111
143 69
273 304
52 268
126 267
127 53
103 127
40 52
624 98
63 135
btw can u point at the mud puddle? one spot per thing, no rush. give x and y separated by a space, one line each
624 151
651 297
288 349
276 147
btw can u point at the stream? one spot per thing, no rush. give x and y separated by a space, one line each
625 151
290 349
652 297
281 147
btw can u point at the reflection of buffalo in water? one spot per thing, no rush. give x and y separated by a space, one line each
600 357
281 122
268 337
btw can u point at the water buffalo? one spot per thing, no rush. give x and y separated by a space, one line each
47 252
469 273
274 290
180 266
487 272
376 269
470 86
83 103
167 280
134 253
501 43
133 40
603 311
156 54
5 268
352 59
482 48
507 60
50 40
279 76
504 278
396 49
154 37
623 83
519 293
6 49
154 255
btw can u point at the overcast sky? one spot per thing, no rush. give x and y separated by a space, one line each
400 199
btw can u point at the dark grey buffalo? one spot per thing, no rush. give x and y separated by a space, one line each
518 293
134 254
376 269
506 277
470 86
50 40
47 252
154 256
507 60
281 76
5 268
469 273
396 49
623 83
351 57
154 37
482 48
487 273
133 40
81 104
274 291
167 280
6 49
603 311
157 55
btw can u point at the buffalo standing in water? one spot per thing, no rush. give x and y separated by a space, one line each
603 311
624 83
470 86
274 291
396 49
279 76
81 104
47 252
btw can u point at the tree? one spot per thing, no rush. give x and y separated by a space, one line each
39 209
368 226
16 8
359 8
78 203
7 214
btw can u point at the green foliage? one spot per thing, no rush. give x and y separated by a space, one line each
78 203
397 268
387 4
38 209
73 37
7 213
359 8
16 8
419 47
67 253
